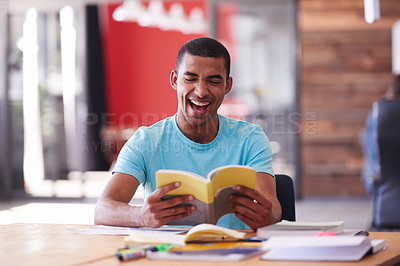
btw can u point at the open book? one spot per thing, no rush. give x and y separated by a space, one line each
211 194
199 233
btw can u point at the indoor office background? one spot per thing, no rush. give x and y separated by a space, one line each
79 76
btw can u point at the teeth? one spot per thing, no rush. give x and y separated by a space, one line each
199 103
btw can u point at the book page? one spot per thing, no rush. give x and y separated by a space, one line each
213 172
211 231
234 175
186 173
154 238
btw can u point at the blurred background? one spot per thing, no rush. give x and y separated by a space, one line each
78 77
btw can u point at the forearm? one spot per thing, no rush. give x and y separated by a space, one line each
111 212
276 212
113 208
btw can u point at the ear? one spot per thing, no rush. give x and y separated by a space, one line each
229 84
173 79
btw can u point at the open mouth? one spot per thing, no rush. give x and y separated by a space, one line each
199 106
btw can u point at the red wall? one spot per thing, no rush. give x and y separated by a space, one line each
138 62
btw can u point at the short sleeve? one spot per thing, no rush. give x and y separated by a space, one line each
132 157
259 151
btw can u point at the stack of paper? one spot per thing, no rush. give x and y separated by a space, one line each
287 228
326 248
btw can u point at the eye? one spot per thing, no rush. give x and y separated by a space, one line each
215 82
190 79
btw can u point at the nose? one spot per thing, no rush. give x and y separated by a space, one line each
201 89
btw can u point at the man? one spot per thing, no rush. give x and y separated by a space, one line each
196 139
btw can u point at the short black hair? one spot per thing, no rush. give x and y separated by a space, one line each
205 47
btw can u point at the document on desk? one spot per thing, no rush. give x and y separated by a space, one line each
296 228
325 248
124 231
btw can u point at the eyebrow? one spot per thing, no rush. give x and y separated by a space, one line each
215 76
211 76
190 74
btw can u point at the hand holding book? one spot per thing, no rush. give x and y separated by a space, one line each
251 207
211 194
156 212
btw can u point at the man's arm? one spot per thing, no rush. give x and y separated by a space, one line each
261 206
113 206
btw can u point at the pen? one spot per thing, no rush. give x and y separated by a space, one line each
361 233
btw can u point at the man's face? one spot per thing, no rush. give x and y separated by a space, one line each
201 86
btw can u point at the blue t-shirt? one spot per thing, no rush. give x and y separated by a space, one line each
163 146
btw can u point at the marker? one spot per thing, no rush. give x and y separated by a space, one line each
130 254
124 256
139 252
162 247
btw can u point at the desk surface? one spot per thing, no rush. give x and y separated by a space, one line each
45 244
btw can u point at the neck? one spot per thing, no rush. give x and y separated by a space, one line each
203 134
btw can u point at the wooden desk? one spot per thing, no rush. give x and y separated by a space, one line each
44 244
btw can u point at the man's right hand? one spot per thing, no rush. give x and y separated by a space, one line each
113 205
156 212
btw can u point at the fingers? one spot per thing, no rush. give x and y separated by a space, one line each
160 215
156 220
160 192
155 198
253 195
252 224
175 211
251 207
157 212
160 205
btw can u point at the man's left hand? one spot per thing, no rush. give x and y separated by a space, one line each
252 208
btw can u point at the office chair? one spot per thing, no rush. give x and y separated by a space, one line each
285 194
387 187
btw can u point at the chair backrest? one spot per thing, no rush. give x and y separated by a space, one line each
387 194
285 194
388 134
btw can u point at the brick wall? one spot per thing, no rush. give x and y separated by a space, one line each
345 66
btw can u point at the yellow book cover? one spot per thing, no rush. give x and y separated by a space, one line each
211 193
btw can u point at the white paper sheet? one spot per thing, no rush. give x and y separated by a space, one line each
123 231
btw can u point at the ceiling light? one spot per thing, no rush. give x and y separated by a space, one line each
371 11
